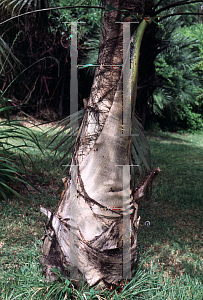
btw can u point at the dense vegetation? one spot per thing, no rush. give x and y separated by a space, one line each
178 101
35 63
35 66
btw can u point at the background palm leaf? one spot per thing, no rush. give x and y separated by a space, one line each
15 6
7 56
177 99
15 139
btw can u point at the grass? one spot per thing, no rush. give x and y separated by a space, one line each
170 249
175 237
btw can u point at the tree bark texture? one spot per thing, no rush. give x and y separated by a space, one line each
90 241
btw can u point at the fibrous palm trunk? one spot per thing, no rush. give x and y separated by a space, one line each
87 229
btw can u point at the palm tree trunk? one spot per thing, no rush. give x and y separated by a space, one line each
87 230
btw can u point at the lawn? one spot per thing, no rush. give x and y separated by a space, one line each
170 249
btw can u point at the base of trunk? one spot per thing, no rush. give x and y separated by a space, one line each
104 268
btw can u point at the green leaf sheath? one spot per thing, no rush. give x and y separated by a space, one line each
135 61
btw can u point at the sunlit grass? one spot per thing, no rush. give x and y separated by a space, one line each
175 236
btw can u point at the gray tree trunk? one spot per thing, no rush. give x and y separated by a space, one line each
86 231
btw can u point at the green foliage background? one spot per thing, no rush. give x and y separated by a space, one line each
44 87
178 99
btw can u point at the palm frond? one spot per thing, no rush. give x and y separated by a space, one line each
62 138
15 138
6 55
64 133
15 6
175 70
